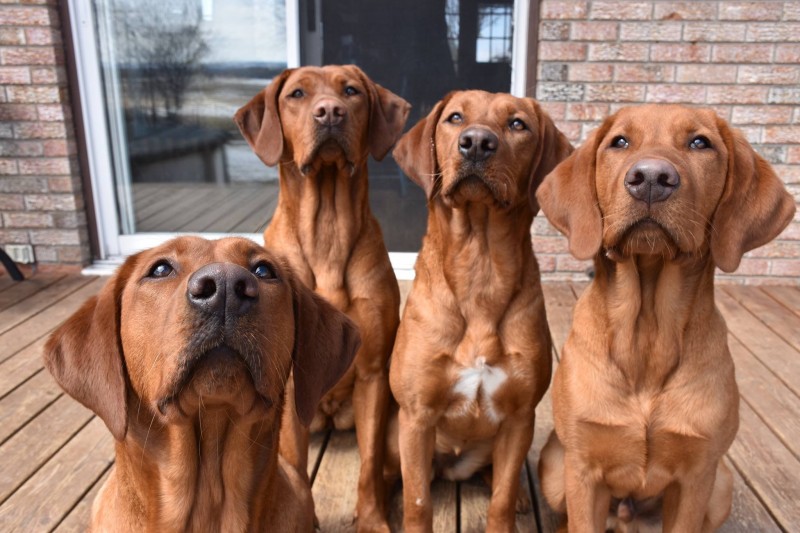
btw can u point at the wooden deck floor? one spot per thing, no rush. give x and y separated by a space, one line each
54 454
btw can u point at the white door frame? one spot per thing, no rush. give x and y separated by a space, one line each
115 246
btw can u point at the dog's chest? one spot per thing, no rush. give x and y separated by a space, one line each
474 406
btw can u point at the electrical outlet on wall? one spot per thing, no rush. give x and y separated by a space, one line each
20 253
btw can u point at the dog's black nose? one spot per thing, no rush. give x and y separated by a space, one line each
652 180
222 288
477 144
329 112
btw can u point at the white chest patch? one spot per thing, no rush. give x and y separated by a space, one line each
479 383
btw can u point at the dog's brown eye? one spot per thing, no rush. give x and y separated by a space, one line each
619 142
264 271
297 93
700 143
162 269
517 125
455 118
351 91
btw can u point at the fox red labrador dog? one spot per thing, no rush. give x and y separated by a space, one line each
473 352
319 124
644 400
185 354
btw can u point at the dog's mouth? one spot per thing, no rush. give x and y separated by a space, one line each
471 186
331 147
220 376
645 236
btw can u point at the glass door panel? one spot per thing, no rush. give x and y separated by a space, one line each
174 72
419 49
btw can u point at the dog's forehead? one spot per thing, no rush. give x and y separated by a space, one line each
327 76
663 122
488 106
194 252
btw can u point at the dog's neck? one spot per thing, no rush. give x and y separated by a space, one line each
210 474
648 303
483 253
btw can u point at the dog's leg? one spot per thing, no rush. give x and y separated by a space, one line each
294 437
551 474
719 506
510 449
587 499
686 501
417 440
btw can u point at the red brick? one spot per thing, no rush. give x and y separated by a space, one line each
552 9
12 36
554 31
23 184
555 51
789 174
785 267
36 95
59 148
615 93
53 112
723 111
680 53
618 52
64 184
16 112
39 130
55 236
742 53
27 220
571 130
782 134
793 155
586 111
753 134
710 74
14 237
8 167
11 202
713 32
45 254
753 267
778 249
772 75
42 36
750 11
547 263
792 232
594 31
542 226
787 53
590 72
550 245
74 254
610 10
644 73
688 94
567 263
52 202
49 75
685 11
556 110
650 31
791 10
44 166
15 75
736 94
765 114
21 148
784 95
29 56
773 32
27 16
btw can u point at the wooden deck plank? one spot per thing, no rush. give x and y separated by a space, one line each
768 467
48 319
767 396
474 495
779 356
443 495
21 290
171 199
6 282
183 210
233 218
548 520
747 512
768 311
21 366
23 310
559 302
26 451
789 297
260 216
25 402
78 518
334 487
217 210
42 502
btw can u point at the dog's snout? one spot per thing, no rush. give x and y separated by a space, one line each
222 289
329 112
652 180
477 144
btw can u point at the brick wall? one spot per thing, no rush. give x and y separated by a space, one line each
41 201
740 58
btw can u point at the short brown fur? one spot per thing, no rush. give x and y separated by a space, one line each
197 437
324 227
476 309
645 400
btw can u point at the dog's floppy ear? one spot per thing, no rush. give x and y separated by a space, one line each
325 343
553 148
84 355
755 206
568 197
416 150
260 122
388 115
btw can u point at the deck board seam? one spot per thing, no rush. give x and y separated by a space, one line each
755 492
